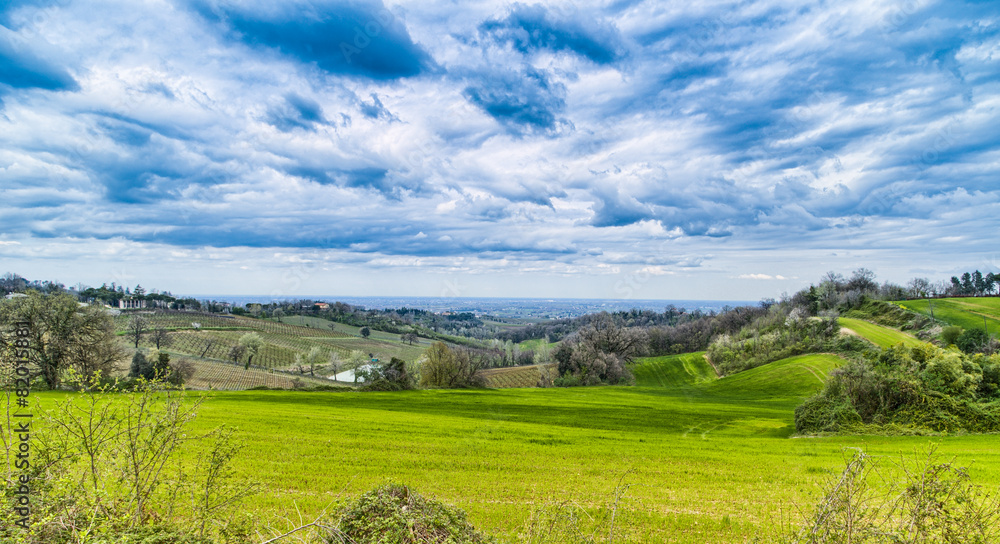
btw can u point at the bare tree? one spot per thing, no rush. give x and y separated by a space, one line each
137 326
161 338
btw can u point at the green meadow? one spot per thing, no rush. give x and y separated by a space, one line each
705 459
883 337
968 313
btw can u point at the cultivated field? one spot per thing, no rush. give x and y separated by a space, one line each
879 335
210 337
517 376
713 460
968 313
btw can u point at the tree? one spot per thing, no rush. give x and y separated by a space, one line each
979 282
161 338
449 369
140 365
236 353
278 313
63 334
918 287
313 358
356 362
365 332
409 338
602 351
137 326
862 280
251 343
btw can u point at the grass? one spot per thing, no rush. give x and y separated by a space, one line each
673 370
714 459
968 313
883 337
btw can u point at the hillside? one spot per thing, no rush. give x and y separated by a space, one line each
206 341
712 460
966 312
879 335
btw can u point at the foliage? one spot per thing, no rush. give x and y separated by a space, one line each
920 388
104 469
394 513
251 343
600 352
447 368
950 334
391 376
973 341
63 335
779 334
932 502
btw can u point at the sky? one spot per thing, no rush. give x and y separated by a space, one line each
626 149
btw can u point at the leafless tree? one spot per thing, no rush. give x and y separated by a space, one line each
137 326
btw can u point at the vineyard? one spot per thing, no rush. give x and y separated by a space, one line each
173 320
226 376
518 376
209 338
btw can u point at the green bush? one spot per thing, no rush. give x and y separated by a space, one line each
973 341
394 514
950 334
923 389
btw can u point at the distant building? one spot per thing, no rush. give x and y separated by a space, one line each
15 295
130 303
322 305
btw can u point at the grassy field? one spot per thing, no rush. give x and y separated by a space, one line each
968 313
714 460
877 334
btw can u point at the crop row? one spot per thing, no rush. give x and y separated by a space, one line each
174 320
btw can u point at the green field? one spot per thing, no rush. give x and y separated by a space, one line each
968 313
883 337
714 460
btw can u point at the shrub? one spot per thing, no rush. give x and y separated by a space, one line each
950 334
395 514
973 341
933 502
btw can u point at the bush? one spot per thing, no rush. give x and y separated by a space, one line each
395 514
973 341
820 414
898 390
950 334
933 502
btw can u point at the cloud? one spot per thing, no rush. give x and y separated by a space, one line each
525 101
20 68
340 37
295 111
451 137
761 277
535 27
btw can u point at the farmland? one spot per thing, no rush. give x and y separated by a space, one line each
209 337
879 335
968 313
713 459
518 376
226 376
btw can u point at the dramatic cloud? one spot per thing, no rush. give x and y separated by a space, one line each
642 149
